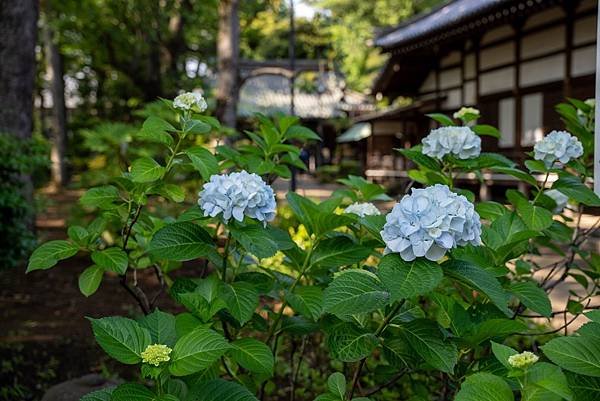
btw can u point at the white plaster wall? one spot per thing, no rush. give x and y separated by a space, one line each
497 81
470 95
584 61
450 58
429 83
496 55
532 114
544 70
543 42
501 32
506 122
470 65
584 30
450 78
541 18
453 99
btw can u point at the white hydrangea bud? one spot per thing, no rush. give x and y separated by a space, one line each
461 142
363 209
557 146
522 360
559 198
190 100
471 112
238 194
429 222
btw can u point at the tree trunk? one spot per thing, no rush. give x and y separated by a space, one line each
228 57
54 69
18 32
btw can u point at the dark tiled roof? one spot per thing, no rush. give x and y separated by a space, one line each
441 19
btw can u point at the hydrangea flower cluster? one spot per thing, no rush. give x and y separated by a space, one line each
559 198
557 146
156 354
429 222
522 360
470 112
190 100
363 209
461 142
238 194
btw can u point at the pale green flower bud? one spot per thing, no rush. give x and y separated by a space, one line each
156 354
523 360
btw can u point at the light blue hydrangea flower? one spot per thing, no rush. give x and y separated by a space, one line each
363 209
238 194
429 222
557 146
461 142
190 100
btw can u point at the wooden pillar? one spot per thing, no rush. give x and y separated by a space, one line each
462 75
476 44
518 27
436 53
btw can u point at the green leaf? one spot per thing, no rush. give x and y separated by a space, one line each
418 157
441 118
427 341
399 353
480 280
146 169
47 255
338 251
502 353
203 161
546 381
241 299
78 234
255 239
301 133
197 351
99 395
196 127
533 297
133 392
349 343
220 390
121 338
408 279
100 197
172 192
90 279
336 384
113 259
484 387
484 129
535 217
161 326
253 355
490 210
585 388
354 291
575 189
308 301
327 397
514 172
180 241
579 354
155 129
493 328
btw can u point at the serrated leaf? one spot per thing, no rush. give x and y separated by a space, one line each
99 395
203 161
502 353
113 259
100 197
514 172
197 351
535 217
253 355
584 388
575 189
301 133
579 354
180 241
336 384
533 297
484 387
155 129
132 392
47 255
90 279
493 328
161 326
241 299
484 129
121 338
427 341
408 279
220 390
349 343
308 301
256 240
480 280
417 156
354 291
338 251
146 169
550 379
441 118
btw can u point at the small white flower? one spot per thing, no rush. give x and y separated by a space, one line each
238 194
559 198
557 146
461 142
362 209
470 112
189 101
522 360
429 222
